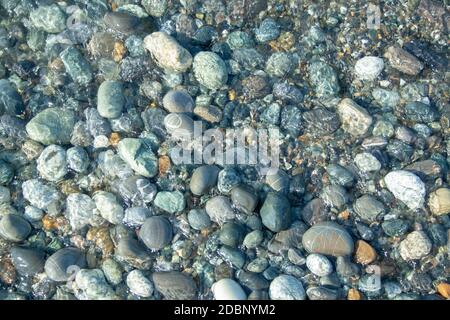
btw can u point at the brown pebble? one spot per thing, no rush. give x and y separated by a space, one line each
439 201
100 236
354 294
444 290
7 271
163 165
211 114
364 253
403 61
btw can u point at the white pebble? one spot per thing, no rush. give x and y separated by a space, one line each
139 284
228 289
319 265
369 68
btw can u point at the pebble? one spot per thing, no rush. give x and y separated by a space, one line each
121 21
276 212
319 265
136 216
386 98
340 175
323 79
439 201
267 30
407 187
80 210
210 70
328 238
403 61
334 196
415 246
167 52
321 293
109 207
172 202
77 159
41 196
198 219
395 227
278 180
244 198
155 8
156 232
27 261
420 112
314 211
178 101
286 287
180 126
112 271
366 162
50 18
93 285
228 179
203 179
110 99
14 228
320 122
211 114
77 66
364 253
52 126
138 154
132 252
10 101
231 234
369 208
253 239
369 68
354 118
219 209
61 265
139 284
228 289
175 285
279 64
52 163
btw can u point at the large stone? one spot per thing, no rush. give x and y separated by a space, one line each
407 187
110 99
276 212
139 156
403 61
355 119
210 70
175 285
52 126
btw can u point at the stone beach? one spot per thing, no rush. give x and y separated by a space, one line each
107 191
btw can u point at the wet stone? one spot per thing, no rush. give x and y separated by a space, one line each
228 289
77 66
63 263
355 119
210 114
403 61
156 232
51 126
275 212
198 219
369 67
50 19
286 287
395 227
320 121
27 261
14 228
369 208
416 245
244 198
178 101
366 162
121 21
420 112
110 99
279 64
203 179
335 196
231 234
139 284
80 210
139 155
319 264
42 196
340 175
10 101
439 201
267 30
52 163
175 285
328 238
219 209
172 202
407 187
210 70
323 79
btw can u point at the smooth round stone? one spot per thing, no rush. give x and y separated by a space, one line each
110 99
139 284
10 101
239 39
14 228
258 265
77 159
345 268
121 21
227 180
52 163
335 196
112 271
439 201
368 208
369 68
319 264
231 234
267 30
50 19
328 238
340 175
366 162
278 180
132 252
203 179
321 293
395 227
243 197
93 285
33 214
253 239
415 246
52 126
219 209
198 219
407 187
156 232
27 261
386 98
210 114
136 216
64 263
167 52
172 202
383 128
276 212
286 287
175 285
232 256
279 64
178 101
80 210
228 289
138 154
179 125
108 206
210 70
41 196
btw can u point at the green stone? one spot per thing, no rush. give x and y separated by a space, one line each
52 126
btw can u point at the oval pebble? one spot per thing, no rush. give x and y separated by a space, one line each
228 289
156 232
319 265
286 287
63 263
27 261
14 228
